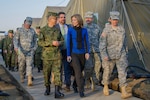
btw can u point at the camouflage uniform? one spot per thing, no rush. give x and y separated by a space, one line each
93 65
51 55
11 54
25 41
37 56
113 46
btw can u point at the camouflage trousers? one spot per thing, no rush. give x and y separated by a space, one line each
25 64
50 66
121 65
93 66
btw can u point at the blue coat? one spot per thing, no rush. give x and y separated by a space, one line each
72 43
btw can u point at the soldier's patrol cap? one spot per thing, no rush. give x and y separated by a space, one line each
10 31
38 27
52 14
89 14
28 20
114 14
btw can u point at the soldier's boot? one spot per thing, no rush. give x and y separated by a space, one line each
48 90
106 90
58 94
30 80
22 78
92 84
124 94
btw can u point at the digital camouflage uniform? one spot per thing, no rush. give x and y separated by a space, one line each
93 64
26 42
11 56
51 55
113 46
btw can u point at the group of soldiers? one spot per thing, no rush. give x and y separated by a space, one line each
47 49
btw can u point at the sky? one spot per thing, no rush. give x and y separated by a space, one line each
13 12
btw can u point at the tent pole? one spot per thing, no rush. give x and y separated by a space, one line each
132 35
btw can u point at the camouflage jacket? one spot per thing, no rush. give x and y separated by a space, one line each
39 48
112 42
8 44
94 33
25 40
48 35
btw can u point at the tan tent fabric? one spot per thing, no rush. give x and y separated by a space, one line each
102 7
138 12
43 21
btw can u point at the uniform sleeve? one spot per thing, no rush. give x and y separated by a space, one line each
69 43
103 45
34 41
16 39
43 42
5 44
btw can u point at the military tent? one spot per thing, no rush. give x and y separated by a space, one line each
134 16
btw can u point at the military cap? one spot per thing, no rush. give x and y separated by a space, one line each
38 27
28 20
89 14
52 14
114 14
10 31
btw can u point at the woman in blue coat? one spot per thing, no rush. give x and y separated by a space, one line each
77 50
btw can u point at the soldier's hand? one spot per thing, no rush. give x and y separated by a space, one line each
16 49
69 58
106 58
5 51
87 56
56 43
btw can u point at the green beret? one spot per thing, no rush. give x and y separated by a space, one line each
38 27
10 31
52 14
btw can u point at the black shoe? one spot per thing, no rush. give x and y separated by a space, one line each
58 94
82 94
75 89
47 91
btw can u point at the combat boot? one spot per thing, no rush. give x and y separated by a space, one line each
124 94
30 80
58 94
48 90
106 90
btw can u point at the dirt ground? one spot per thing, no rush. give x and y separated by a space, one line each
10 86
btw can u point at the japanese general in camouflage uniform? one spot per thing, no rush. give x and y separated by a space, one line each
93 64
8 48
26 42
113 46
51 55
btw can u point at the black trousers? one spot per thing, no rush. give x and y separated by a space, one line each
78 62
